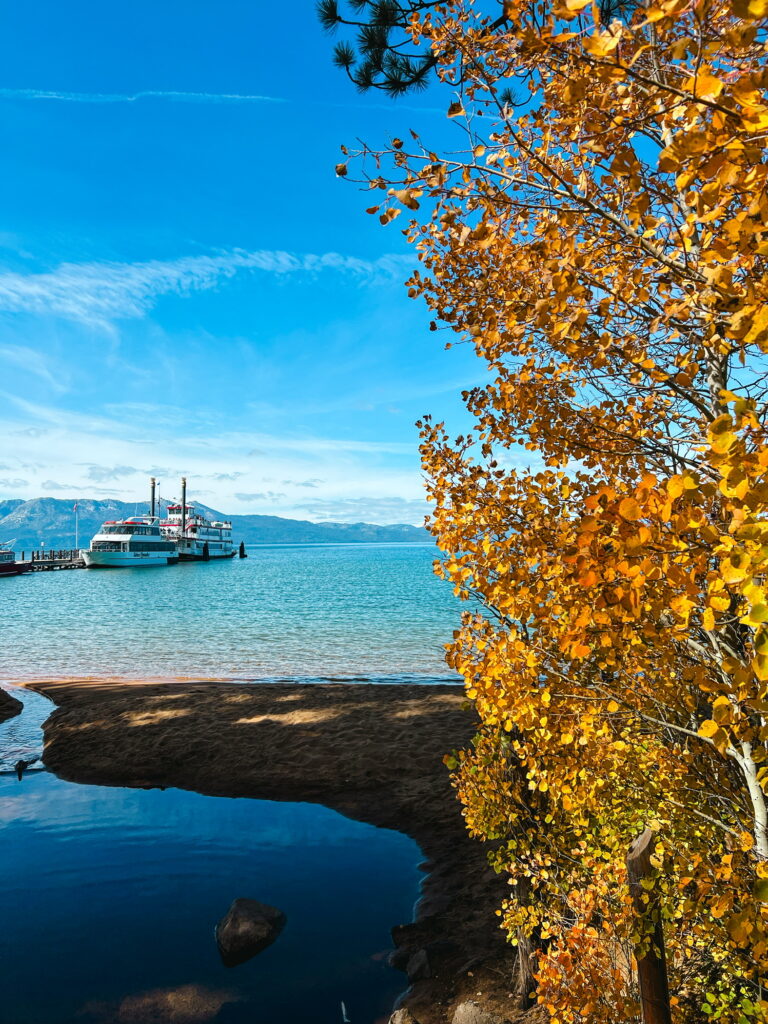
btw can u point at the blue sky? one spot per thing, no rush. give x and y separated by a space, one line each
186 286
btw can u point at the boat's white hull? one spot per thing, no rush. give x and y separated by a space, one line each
194 551
126 559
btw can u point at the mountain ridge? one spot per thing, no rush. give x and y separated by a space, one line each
50 522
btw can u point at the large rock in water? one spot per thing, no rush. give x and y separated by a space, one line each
9 706
246 929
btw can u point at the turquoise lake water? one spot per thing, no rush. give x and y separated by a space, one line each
109 896
367 611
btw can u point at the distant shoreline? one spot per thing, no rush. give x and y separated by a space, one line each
28 524
371 751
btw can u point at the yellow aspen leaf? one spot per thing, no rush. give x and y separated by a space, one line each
750 8
721 425
708 728
675 487
705 84
739 927
757 614
389 215
722 442
735 569
630 509
758 327
603 42
406 197
746 840
708 619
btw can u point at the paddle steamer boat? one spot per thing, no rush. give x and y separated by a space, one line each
197 539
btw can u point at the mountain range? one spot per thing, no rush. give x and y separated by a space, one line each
50 523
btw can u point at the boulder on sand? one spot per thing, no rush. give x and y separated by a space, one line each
402 1016
471 1013
246 929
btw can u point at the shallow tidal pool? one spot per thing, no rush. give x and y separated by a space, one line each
109 898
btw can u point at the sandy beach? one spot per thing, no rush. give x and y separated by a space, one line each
371 752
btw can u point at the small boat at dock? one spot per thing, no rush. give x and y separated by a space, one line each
8 564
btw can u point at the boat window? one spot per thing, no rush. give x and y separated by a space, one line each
147 546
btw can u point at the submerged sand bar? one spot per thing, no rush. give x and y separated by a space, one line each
372 752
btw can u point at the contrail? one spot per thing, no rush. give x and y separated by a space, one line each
133 97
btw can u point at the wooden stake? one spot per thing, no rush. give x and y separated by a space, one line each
651 968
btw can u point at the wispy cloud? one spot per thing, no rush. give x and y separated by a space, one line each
372 509
248 496
103 473
33 362
309 477
101 293
175 96
55 485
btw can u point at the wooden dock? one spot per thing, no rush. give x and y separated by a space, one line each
47 561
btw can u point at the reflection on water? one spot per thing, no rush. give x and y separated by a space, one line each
187 1003
351 611
21 738
109 898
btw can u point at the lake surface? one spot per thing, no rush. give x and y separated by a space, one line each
109 898
297 612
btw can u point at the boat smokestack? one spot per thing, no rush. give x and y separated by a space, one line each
183 505
152 486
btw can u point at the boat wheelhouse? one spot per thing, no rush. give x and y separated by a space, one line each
136 541
8 564
197 539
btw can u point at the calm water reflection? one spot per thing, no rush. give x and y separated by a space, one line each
109 897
